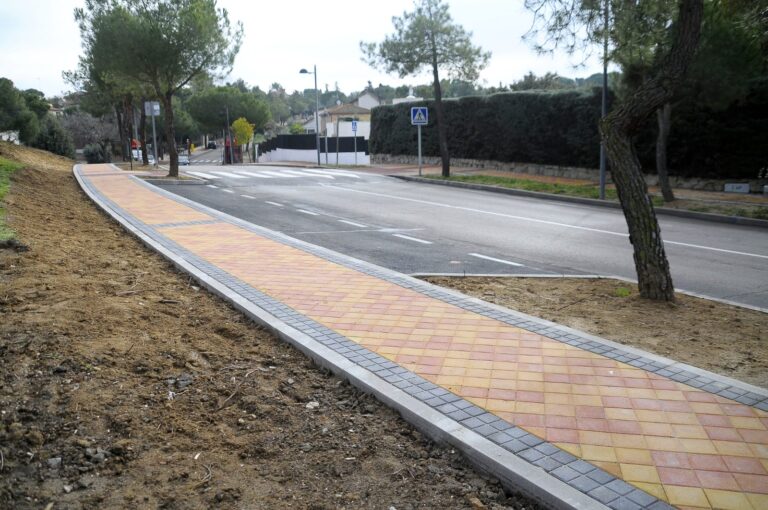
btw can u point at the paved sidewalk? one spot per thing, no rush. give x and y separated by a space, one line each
573 420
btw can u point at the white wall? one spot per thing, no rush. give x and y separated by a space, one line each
345 158
345 129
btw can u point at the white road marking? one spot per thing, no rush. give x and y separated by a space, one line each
227 191
254 174
274 203
500 261
248 196
229 174
205 175
279 174
354 224
331 172
304 174
308 212
415 239
536 220
212 186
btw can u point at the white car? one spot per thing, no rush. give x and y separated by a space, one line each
183 159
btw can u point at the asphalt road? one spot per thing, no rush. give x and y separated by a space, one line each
420 228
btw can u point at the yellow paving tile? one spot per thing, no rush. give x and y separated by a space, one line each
634 456
598 453
689 496
727 500
639 473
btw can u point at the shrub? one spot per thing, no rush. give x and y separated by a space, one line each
54 138
95 153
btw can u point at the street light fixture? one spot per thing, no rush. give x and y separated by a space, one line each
317 111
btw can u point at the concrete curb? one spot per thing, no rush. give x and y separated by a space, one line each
514 473
717 218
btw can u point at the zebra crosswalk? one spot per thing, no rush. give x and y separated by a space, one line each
272 173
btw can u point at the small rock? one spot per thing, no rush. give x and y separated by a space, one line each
290 380
476 503
54 462
312 405
82 443
60 369
99 457
35 437
305 447
68 488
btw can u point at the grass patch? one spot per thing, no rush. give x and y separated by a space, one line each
573 190
7 167
758 213
623 292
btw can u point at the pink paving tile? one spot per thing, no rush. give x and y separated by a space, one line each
754 436
561 422
624 427
713 420
707 462
530 396
677 476
592 424
745 465
621 402
752 483
558 378
699 396
722 434
562 436
502 394
529 420
737 410
590 412
675 406
470 391
646 403
670 459
717 480
663 384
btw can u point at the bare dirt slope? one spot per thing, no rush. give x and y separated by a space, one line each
122 385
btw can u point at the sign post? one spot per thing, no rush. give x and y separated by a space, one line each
152 108
354 137
419 117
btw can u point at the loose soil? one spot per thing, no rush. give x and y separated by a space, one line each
125 385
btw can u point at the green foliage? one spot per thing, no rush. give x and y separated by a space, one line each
7 167
623 292
557 128
424 37
14 113
296 129
54 138
243 131
208 108
95 153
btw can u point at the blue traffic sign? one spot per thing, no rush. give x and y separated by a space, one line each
419 116
354 126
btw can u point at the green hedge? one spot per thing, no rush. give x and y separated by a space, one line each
557 128
560 128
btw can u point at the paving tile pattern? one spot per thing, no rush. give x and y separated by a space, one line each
610 423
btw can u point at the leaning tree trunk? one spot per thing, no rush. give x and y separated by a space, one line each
618 127
442 132
663 118
170 134
120 129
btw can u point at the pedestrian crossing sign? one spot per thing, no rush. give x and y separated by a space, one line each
419 116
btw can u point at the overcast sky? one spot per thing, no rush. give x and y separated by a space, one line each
39 39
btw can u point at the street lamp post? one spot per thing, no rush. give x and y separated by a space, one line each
317 111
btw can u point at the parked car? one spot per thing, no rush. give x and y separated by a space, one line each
211 145
183 159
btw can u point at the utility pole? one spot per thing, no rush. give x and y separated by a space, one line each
231 141
604 108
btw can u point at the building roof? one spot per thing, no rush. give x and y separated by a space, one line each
347 109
